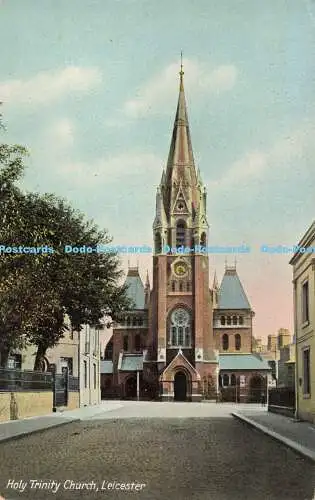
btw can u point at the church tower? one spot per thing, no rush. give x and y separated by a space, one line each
180 333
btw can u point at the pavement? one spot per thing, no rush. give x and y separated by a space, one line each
13 429
300 436
153 451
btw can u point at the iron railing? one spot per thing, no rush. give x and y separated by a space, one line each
13 380
282 397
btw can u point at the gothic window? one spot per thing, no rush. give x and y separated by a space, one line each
233 379
158 243
181 287
109 350
125 342
180 329
188 286
229 320
203 240
225 342
180 233
173 286
237 342
226 380
222 320
234 320
137 342
241 320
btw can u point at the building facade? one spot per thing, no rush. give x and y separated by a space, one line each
304 324
183 339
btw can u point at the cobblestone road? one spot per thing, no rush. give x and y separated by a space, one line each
184 458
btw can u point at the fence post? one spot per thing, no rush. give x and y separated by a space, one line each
53 371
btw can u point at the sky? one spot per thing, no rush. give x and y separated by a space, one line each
91 88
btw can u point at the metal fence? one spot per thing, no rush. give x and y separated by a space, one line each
282 400
12 380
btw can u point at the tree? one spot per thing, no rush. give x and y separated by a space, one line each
37 290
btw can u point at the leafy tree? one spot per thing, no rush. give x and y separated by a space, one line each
38 290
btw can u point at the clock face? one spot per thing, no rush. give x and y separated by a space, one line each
180 268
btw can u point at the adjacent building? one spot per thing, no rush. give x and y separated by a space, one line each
303 263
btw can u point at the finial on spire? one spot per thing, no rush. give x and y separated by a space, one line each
181 73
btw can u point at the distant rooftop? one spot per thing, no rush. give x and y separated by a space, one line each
231 294
242 362
135 290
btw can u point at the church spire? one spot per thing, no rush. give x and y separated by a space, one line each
180 164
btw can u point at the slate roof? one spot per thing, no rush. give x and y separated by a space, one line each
231 294
135 289
106 366
242 362
132 363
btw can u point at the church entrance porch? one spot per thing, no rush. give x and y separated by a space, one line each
180 386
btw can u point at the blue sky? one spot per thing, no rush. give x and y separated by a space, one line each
90 87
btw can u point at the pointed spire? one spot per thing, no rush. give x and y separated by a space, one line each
181 73
147 281
215 285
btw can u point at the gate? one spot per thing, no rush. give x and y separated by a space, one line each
60 388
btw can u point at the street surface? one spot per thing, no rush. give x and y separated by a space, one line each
154 451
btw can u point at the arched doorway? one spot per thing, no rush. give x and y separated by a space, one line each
131 388
180 386
257 386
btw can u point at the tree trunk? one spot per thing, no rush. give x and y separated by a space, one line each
4 354
41 351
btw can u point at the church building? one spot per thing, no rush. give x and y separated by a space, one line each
183 340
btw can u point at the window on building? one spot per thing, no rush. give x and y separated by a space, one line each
125 346
203 240
225 342
180 233
237 342
233 379
67 363
173 286
305 302
222 320
134 321
85 373
137 342
181 287
226 380
140 321
180 327
306 371
94 375
234 320
229 320
128 321
158 243
241 320
188 286
109 350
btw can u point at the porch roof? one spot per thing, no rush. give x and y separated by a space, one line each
106 366
131 363
242 362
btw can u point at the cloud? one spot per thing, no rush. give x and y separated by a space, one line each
61 133
48 87
159 93
117 168
255 164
